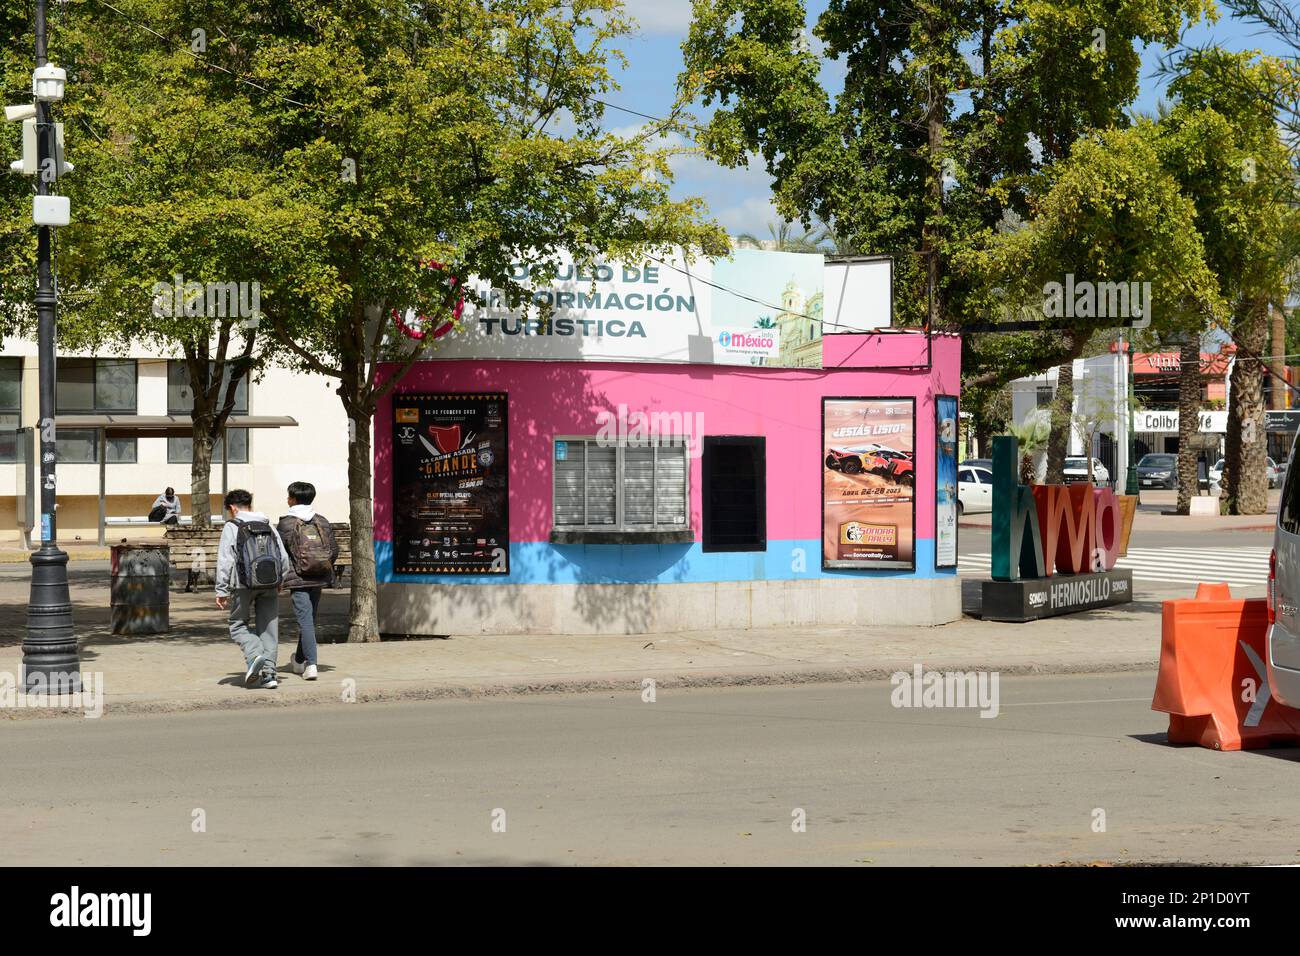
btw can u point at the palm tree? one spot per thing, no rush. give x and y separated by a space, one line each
836 242
1031 435
766 322
784 239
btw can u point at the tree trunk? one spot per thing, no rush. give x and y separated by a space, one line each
983 438
1027 469
936 108
1277 387
1246 485
200 470
1058 443
1189 413
363 614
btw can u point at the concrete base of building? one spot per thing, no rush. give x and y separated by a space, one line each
429 609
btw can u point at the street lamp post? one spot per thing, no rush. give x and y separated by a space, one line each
1131 479
50 656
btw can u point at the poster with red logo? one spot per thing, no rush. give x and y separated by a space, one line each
868 483
451 504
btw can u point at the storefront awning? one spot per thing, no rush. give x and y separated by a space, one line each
175 426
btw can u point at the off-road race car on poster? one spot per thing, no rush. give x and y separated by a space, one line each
886 462
895 465
851 461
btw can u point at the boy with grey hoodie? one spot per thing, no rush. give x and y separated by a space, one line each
309 539
258 598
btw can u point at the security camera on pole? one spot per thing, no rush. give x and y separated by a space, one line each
50 657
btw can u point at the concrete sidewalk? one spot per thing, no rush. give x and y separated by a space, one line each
196 666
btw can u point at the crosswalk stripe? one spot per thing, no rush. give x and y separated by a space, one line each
1241 567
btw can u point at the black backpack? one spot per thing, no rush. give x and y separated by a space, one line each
257 556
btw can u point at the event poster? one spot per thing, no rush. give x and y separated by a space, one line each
868 483
451 508
945 481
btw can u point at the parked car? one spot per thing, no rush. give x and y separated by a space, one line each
985 463
1283 657
1276 473
1158 470
1216 472
974 490
1076 470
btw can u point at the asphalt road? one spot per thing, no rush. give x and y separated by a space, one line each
697 777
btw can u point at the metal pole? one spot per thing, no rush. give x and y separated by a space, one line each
50 656
225 465
1131 479
103 486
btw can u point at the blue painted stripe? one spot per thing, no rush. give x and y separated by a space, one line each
539 562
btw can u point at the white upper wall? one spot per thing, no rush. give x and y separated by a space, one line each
316 450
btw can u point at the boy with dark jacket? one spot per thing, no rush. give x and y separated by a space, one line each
309 539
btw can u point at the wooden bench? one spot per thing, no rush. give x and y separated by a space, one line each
194 550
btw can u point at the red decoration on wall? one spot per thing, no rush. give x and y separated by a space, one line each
421 328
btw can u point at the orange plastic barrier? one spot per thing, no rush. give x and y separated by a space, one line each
1213 683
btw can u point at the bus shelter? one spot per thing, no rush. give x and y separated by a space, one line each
168 426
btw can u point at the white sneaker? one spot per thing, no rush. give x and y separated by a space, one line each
309 672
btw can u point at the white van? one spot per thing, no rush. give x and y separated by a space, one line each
1284 597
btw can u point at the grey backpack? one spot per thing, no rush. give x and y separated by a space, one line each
257 556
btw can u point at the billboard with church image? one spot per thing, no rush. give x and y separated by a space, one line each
755 307
779 293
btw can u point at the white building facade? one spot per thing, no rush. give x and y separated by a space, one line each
1101 389
143 382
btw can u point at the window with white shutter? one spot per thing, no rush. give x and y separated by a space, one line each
631 487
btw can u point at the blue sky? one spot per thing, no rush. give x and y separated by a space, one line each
740 198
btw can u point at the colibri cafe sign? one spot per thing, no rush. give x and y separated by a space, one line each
666 309
1161 421
1054 546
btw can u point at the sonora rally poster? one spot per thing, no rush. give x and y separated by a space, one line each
868 483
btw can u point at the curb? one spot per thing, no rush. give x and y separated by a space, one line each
576 685
77 554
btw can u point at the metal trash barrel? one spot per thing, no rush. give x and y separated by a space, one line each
138 591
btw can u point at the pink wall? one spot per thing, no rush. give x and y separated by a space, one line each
563 398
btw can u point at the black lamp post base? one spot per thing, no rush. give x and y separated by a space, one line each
51 663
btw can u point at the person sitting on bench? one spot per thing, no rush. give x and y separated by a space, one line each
166 508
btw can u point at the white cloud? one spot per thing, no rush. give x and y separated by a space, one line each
751 215
671 17
739 199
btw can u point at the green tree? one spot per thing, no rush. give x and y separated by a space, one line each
952 118
476 135
1221 142
950 115
1112 221
1282 90
328 151
170 188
